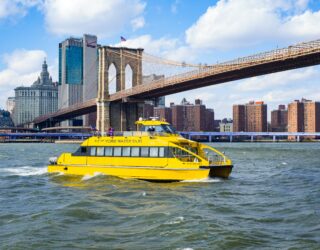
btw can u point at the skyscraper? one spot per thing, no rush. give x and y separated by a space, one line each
78 74
39 99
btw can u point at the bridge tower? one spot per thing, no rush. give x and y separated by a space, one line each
120 115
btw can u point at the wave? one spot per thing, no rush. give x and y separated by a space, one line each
203 180
88 177
24 171
176 220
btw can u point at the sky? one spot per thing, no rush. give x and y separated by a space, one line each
188 31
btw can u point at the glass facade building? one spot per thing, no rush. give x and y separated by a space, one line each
74 65
78 73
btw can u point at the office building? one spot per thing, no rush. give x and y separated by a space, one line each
78 75
226 125
39 99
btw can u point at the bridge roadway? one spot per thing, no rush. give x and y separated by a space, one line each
292 57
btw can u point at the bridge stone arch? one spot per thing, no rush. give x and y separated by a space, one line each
112 78
128 76
120 57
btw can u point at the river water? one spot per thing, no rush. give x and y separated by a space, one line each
271 201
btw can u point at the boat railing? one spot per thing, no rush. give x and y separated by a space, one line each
186 158
217 160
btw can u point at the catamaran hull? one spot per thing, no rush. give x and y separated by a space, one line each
220 171
142 173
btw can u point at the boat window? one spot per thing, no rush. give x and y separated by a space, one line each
168 129
144 151
117 151
126 151
93 151
108 151
81 151
153 151
135 151
161 152
100 151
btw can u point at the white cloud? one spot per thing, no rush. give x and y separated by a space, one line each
150 45
277 80
243 23
9 8
137 23
169 48
104 18
174 6
22 67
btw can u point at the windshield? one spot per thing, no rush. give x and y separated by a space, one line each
159 128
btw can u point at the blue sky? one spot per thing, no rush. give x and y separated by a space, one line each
189 31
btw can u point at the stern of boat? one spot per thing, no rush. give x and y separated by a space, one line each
222 171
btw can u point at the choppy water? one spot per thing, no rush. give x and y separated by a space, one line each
272 201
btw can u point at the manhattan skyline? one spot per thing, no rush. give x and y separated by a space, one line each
206 32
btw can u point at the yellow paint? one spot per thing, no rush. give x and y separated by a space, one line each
192 162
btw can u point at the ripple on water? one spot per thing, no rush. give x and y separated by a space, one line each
271 201
23 171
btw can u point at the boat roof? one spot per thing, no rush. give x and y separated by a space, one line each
151 122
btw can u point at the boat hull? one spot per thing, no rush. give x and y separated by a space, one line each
220 171
142 173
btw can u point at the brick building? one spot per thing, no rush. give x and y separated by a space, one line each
279 119
250 117
192 117
239 118
303 116
163 113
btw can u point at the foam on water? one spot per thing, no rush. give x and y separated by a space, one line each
24 171
88 177
176 220
203 180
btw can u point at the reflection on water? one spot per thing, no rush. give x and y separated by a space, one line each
272 200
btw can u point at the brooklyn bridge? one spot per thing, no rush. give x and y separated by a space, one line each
122 108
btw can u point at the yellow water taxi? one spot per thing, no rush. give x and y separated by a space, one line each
156 152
